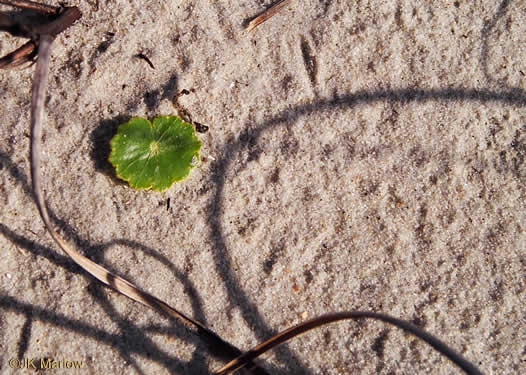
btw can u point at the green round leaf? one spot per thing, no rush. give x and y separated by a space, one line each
154 156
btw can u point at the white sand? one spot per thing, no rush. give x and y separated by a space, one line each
362 155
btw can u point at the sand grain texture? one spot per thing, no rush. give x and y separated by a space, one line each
362 155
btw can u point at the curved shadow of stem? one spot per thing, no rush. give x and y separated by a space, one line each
249 311
126 346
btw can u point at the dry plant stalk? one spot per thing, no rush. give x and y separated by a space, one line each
267 14
290 333
99 272
96 270
220 347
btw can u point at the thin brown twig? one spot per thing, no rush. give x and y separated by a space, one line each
53 27
267 14
31 5
19 56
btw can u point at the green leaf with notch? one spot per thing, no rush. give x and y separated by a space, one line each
154 156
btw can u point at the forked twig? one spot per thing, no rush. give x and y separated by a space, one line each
61 19
290 333
267 14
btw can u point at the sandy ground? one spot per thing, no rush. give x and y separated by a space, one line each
362 155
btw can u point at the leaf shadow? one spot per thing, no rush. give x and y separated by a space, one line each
100 139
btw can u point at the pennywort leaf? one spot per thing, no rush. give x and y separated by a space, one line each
154 156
